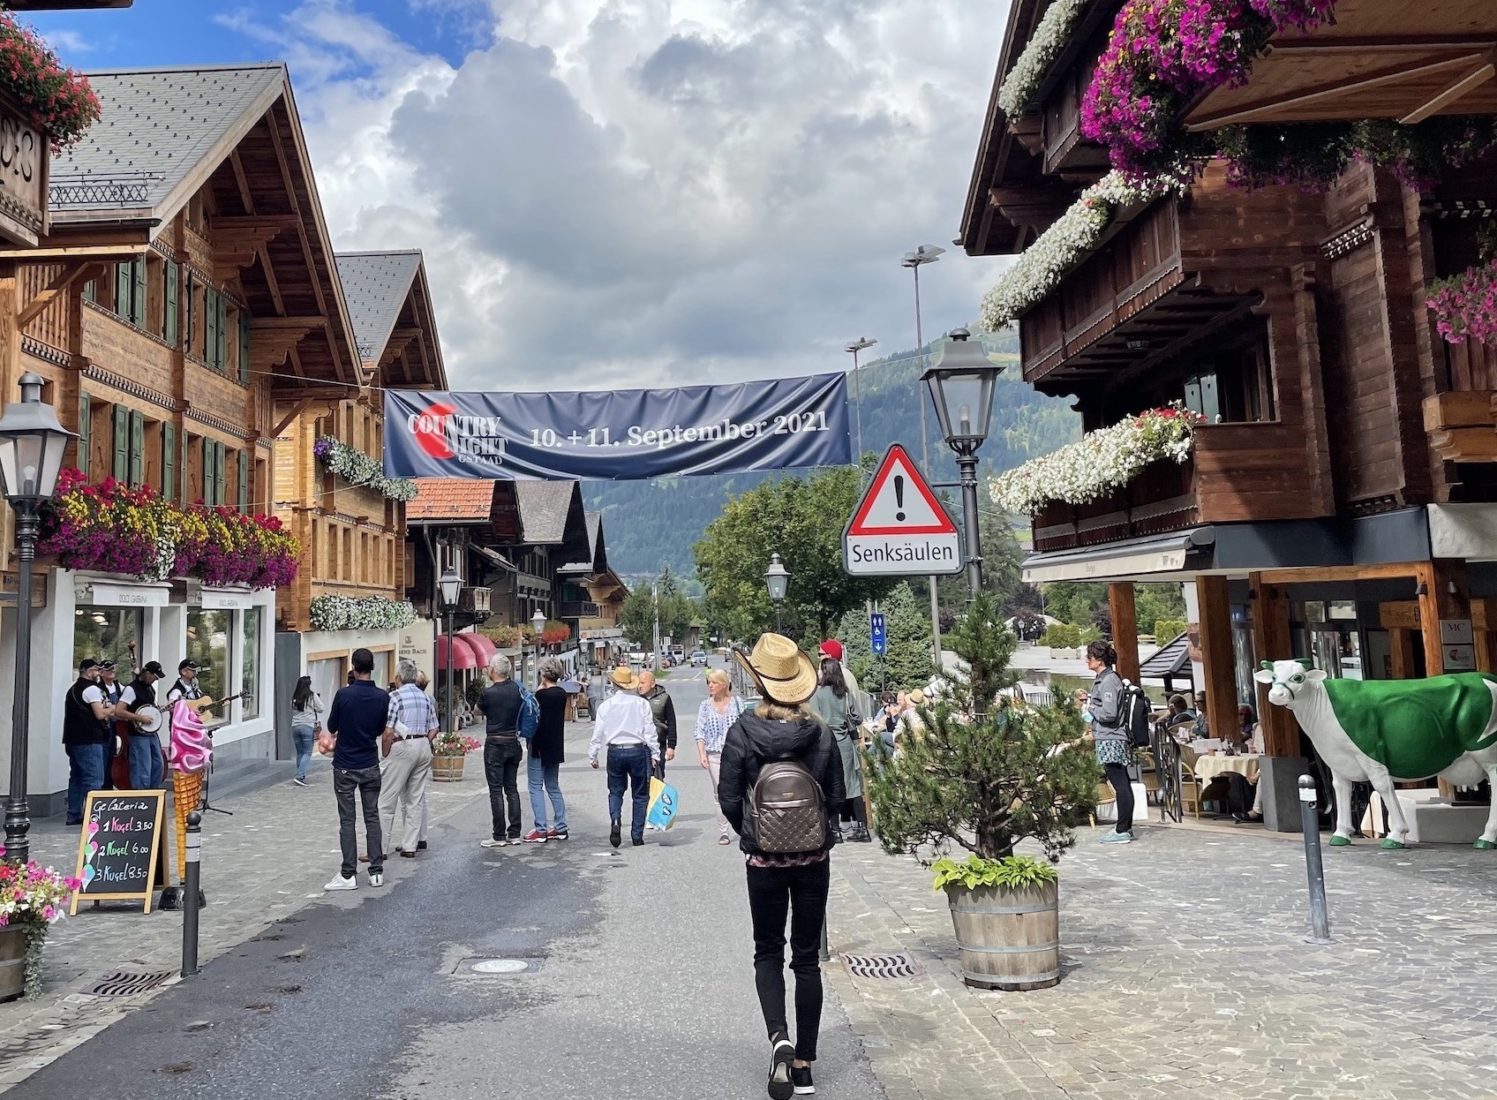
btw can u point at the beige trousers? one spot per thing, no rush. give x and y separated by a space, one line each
405 775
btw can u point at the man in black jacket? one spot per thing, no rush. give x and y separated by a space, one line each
784 885
85 732
664 711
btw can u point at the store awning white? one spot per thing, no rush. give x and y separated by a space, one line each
1112 561
1464 531
103 594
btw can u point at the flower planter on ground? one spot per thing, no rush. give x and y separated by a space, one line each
447 769
13 961
450 750
1009 938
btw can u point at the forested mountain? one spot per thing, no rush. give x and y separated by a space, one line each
654 523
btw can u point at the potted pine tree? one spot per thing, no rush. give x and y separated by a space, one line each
984 775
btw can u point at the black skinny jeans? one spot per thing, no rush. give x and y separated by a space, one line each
800 893
1117 775
501 768
366 782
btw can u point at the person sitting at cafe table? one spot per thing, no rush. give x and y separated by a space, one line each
1179 712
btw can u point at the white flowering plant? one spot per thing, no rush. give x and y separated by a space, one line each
1100 462
1045 45
1039 271
360 613
357 468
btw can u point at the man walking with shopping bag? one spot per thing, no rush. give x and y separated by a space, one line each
410 725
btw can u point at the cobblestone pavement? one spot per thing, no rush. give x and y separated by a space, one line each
1185 972
259 866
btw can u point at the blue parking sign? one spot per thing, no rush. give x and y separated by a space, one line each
876 630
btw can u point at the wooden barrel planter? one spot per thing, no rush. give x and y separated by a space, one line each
447 769
1009 939
12 962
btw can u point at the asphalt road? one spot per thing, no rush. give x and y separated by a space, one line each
640 984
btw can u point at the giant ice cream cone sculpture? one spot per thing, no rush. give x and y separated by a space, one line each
190 752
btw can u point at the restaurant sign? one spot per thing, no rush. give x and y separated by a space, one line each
24 152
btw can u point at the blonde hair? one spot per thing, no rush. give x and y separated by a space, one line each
719 676
779 712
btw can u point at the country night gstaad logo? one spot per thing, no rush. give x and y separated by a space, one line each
444 435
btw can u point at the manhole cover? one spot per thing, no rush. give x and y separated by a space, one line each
498 967
882 966
124 984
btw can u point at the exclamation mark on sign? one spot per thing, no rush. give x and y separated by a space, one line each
899 497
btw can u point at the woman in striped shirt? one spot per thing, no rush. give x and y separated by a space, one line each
715 717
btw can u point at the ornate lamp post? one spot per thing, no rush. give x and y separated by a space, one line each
961 388
538 623
32 443
450 586
777 580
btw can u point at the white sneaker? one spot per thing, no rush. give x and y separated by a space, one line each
376 878
491 843
341 883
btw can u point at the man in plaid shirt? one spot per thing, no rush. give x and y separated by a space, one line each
410 726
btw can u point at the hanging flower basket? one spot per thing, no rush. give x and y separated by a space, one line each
357 468
362 613
1465 305
55 100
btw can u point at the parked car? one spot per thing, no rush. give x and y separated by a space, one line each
637 658
699 659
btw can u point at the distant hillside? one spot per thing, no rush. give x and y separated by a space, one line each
654 523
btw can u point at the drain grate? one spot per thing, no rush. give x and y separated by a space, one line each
124 984
883 966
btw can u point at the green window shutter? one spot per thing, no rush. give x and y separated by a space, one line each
189 311
210 327
207 448
169 460
244 347
83 418
244 480
122 290
220 474
222 352
169 313
138 291
137 448
121 443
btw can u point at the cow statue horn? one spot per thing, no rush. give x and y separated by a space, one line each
1266 664
1304 661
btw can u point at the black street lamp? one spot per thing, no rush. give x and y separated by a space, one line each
960 382
32 443
450 585
538 624
777 580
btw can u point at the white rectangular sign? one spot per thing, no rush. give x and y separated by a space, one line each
1456 632
899 555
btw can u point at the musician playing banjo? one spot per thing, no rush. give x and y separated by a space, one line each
137 705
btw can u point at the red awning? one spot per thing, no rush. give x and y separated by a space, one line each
483 648
463 657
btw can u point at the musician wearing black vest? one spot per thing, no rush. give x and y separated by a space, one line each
186 687
85 732
147 763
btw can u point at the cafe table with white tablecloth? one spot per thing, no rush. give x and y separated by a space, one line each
1209 766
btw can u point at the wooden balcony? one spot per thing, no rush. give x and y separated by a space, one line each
1237 473
578 609
1462 425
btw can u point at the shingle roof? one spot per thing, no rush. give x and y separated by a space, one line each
442 500
544 506
157 126
376 285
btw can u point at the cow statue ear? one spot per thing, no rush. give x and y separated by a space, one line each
1266 665
1264 675
1315 675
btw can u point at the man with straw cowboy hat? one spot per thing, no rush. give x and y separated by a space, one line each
625 725
781 772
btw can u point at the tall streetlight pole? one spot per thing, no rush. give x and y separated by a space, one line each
451 586
31 448
862 343
538 624
777 580
925 254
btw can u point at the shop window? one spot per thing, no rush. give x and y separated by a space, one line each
210 637
250 660
104 633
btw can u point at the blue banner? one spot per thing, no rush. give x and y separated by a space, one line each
619 435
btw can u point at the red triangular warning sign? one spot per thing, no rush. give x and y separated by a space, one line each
899 501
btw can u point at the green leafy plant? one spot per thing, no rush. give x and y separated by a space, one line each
1012 872
1061 636
1167 630
979 772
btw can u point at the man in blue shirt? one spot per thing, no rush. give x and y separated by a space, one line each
357 721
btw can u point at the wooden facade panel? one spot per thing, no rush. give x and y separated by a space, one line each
127 352
54 325
211 393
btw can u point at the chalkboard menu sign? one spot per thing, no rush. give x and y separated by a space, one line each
117 851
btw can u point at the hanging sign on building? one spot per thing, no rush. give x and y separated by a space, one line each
618 435
900 528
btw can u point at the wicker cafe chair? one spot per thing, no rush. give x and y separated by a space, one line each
1106 796
1191 787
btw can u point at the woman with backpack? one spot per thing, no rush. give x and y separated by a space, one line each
780 782
833 704
1109 731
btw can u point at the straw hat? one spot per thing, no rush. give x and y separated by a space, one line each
784 674
917 698
623 677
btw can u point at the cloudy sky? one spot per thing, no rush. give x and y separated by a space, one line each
626 191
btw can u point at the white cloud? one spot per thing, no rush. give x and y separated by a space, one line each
654 191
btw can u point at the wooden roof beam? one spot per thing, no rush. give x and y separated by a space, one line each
70 274
1273 108
1457 91
1372 43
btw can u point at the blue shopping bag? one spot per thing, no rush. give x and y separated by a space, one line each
663 796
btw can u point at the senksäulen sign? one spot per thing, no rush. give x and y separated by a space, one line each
619 435
24 153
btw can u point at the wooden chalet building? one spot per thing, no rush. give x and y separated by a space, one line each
351 525
1341 502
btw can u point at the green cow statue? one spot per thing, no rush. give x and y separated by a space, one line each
1382 731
